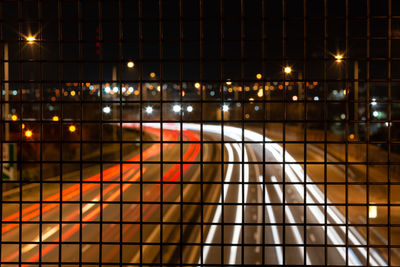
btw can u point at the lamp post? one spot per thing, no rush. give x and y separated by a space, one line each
29 40
9 151
356 99
7 92
131 65
339 59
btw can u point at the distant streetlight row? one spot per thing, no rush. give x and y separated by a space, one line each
29 133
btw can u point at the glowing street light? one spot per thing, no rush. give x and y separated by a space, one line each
189 109
152 75
225 108
55 118
287 70
228 82
149 109
197 85
107 110
259 76
338 58
176 108
72 128
372 211
28 133
130 64
14 117
30 39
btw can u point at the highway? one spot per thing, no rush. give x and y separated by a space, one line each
242 218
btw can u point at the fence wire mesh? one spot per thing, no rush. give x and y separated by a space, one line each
200 132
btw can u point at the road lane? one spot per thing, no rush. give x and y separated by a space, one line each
312 198
238 203
92 210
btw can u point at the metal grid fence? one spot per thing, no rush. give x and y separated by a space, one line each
200 133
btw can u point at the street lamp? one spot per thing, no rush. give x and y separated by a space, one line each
72 128
130 64
176 108
30 39
339 59
28 133
149 109
287 70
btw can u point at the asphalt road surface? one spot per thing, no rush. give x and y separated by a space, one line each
255 216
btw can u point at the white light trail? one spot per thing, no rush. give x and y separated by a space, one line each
271 214
290 217
296 174
218 211
237 229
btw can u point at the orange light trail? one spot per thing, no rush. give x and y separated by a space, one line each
108 174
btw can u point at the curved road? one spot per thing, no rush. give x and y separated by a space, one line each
239 221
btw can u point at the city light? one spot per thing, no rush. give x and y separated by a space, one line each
225 108
14 117
73 93
372 212
176 108
149 109
72 128
373 103
107 110
152 75
259 76
130 64
115 89
55 118
351 136
107 89
287 70
31 39
316 98
28 133
189 108
295 98
375 114
228 82
197 85
338 58
130 89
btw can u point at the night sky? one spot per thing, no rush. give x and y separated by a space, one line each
75 36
